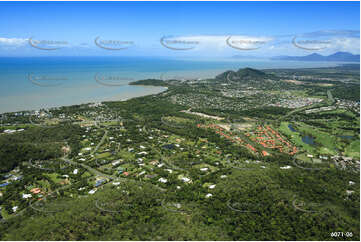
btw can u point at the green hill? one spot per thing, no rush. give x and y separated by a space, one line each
149 82
245 75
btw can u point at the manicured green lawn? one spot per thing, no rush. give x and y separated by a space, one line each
295 137
103 155
327 143
353 150
124 154
4 213
53 177
86 174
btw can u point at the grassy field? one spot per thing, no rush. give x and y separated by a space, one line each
327 142
13 127
353 150
103 155
4 214
111 123
53 177
86 174
295 137
126 155
340 111
303 157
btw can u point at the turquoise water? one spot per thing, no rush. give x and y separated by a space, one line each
39 82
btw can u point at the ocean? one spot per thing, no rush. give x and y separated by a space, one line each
31 83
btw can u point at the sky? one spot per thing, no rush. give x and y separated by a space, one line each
178 29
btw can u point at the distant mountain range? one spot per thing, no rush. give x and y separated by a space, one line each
247 57
338 56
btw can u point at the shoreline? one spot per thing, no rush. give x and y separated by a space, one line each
19 99
111 99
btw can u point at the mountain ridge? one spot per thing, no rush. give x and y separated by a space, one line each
245 74
338 56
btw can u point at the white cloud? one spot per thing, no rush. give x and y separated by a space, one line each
218 42
346 44
13 41
339 40
213 45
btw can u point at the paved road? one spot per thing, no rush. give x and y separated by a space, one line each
169 164
31 122
303 109
37 201
294 204
90 169
330 97
100 143
321 104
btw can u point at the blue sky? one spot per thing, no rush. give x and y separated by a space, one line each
255 28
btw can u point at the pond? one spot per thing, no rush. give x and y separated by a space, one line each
4 184
168 146
291 128
308 140
345 136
